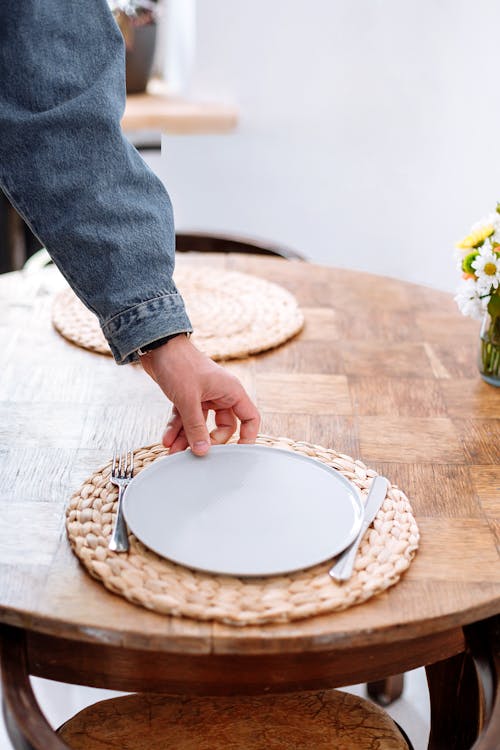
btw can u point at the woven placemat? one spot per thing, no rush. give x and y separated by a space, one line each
233 314
145 578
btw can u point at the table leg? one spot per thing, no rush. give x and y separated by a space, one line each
385 692
456 703
27 727
465 692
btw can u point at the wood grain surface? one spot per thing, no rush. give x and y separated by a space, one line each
330 719
384 371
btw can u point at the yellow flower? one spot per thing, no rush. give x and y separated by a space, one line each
476 237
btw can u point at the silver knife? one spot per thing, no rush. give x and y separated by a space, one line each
342 570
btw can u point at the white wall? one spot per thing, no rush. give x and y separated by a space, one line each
369 134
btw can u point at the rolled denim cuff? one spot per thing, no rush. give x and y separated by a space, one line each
141 324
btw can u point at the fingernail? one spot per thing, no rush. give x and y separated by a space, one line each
200 445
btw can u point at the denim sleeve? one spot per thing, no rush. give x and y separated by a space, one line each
102 214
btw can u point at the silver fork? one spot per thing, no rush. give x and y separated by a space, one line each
122 471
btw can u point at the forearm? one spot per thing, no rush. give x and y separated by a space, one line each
104 217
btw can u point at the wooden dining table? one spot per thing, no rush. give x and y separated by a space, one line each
383 370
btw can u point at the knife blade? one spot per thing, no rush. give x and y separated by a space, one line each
342 569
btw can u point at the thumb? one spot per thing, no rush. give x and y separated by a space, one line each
195 427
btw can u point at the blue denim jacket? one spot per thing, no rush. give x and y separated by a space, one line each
102 214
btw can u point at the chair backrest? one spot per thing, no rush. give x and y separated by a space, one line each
187 242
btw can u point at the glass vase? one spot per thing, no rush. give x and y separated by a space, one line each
489 351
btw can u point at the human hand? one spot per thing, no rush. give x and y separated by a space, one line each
195 384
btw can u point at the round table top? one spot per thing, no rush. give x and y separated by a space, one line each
384 371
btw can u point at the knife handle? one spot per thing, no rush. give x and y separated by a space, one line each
342 570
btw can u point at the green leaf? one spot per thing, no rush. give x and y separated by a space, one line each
494 306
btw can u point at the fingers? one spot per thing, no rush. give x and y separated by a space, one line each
179 444
173 428
174 436
226 424
247 413
179 435
193 383
194 424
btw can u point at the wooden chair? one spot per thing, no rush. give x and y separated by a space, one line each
187 242
320 721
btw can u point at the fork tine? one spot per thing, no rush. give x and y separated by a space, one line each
123 463
120 476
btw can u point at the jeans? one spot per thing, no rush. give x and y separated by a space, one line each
102 214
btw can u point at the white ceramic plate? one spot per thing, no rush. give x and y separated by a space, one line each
243 510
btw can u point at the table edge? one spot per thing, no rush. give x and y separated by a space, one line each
266 639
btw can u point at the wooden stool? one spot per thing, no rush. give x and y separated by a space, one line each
328 720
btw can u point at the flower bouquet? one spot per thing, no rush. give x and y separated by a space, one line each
478 295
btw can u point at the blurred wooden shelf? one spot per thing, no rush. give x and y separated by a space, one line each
158 111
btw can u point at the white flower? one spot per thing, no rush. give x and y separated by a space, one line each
470 300
487 269
459 255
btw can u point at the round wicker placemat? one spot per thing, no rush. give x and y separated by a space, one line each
146 579
233 314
